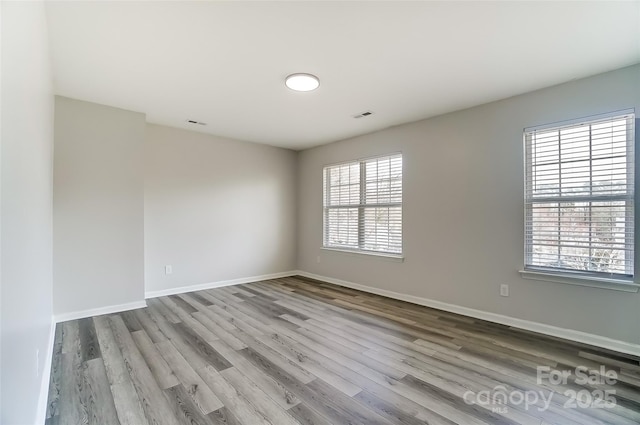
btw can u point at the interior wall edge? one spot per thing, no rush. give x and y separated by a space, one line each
528 325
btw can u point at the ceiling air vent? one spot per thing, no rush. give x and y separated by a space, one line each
196 122
364 114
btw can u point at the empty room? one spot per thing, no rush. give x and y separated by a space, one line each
319 212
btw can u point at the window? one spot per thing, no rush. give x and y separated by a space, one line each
579 197
363 205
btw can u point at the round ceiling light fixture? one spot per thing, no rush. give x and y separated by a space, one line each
302 82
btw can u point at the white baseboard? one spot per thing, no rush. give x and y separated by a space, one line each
569 334
41 414
99 311
219 284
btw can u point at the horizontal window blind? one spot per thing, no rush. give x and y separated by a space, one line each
363 205
579 196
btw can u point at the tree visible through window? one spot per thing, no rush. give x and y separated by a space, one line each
363 205
579 196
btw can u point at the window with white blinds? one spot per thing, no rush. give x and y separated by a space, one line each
363 205
579 197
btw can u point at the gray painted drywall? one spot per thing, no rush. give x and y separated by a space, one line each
98 241
216 209
26 191
463 209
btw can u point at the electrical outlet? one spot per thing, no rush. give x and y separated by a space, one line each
168 269
504 290
318 259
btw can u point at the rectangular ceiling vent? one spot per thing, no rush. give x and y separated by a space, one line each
364 114
196 122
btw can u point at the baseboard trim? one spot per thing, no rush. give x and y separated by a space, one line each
569 334
99 311
41 413
218 284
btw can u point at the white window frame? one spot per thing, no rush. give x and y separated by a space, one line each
621 281
362 206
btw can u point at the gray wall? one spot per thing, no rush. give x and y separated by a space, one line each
216 209
463 210
26 176
98 206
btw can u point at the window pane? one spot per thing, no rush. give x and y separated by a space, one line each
384 180
341 227
343 186
610 175
383 229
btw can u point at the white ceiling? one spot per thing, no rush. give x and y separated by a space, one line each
224 63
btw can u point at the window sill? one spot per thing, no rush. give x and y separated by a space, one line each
390 257
593 282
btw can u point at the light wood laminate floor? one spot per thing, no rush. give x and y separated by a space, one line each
297 351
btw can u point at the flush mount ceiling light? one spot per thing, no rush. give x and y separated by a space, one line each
302 82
